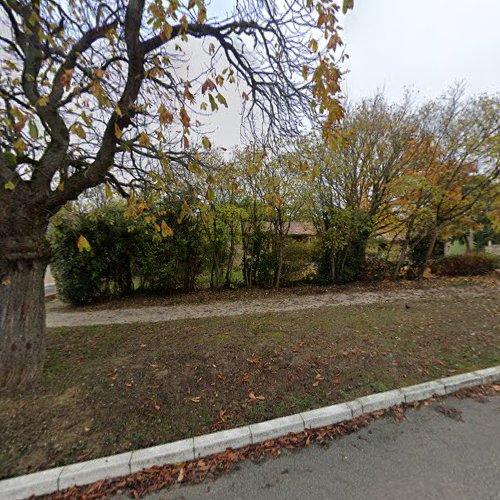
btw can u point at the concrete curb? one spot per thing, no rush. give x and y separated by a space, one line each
60 478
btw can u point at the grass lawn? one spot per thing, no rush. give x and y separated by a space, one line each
108 389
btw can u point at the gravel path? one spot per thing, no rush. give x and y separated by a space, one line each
268 305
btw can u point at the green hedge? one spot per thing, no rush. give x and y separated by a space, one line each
126 253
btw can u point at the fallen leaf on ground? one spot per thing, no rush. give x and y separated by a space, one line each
253 397
197 399
180 477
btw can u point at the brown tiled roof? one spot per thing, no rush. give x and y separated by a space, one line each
301 229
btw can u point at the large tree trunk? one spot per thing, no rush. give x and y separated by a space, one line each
22 318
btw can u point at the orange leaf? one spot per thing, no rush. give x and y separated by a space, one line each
253 397
180 477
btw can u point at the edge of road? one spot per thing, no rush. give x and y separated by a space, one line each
115 466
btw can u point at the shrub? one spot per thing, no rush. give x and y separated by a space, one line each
299 261
465 265
126 253
376 267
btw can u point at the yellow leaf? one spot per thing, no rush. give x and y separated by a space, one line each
118 131
20 145
166 31
347 5
10 186
206 143
166 230
43 101
83 244
253 397
222 99
79 131
144 139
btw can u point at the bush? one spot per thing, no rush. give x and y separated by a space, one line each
126 253
376 267
465 265
299 261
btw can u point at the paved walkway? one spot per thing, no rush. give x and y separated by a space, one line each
428 456
236 308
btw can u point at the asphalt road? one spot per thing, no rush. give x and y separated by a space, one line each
50 289
428 456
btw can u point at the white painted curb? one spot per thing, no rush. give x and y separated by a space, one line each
60 478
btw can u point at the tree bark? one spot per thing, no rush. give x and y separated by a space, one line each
22 319
401 258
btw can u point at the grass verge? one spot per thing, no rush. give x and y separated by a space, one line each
108 389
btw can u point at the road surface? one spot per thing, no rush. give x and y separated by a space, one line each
429 456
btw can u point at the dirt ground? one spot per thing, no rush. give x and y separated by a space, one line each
237 302
111 388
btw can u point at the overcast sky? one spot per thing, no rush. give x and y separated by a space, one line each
426 45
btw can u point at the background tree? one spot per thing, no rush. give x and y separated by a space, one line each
92 92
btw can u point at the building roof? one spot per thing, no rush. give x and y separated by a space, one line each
301 229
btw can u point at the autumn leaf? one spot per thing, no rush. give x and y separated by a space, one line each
222 99
166 31
336 380
208 85
347 5
253 397
144 139
206 143
318 378
10 186
33 129
245 378
185 117
165 116
180 477
82 244
196 399
19 145
166 230
213 104
107 191
42 101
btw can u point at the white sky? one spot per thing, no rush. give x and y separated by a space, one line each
426 45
